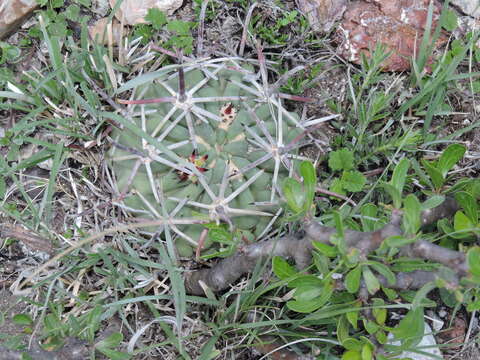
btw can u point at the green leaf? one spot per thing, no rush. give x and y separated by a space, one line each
342 329
400 174
352 344
221 236
394 194
305 280
72 12
156 17
474 306
341 160
303 306
432 202
369 217
352 355
353 181
435 175
461 223
338 239
93 319
282 268
411 216
352 318
314 304
372 283
384 270
179 27
367 352
111 341
449 20
307 293
325 249
307 171
422 294
57 3
379 313
370 326
114 354
22 319
450 156
411 326
8 52
294 194
52 323
381 338
469 204
397 241
352 280
322 263
473 261
336 186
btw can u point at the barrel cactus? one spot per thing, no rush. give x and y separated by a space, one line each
230 142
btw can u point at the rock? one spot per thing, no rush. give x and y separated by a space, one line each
13 13
399 25
468 7
322 14
427 345
135 10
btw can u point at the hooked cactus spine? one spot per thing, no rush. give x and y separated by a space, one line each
229 144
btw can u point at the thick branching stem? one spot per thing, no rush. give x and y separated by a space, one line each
299 247
231 269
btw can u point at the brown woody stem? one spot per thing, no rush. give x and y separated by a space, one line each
299 247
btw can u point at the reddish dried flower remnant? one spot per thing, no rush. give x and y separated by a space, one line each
228 109
228 114
397 24
199 162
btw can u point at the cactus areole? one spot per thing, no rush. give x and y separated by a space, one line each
229 143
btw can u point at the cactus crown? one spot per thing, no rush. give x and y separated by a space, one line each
228 140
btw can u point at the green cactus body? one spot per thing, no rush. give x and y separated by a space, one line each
207 128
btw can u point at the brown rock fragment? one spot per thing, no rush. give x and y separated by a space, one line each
13 13
398 25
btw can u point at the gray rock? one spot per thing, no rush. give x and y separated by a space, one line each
13 13
427 345
469 7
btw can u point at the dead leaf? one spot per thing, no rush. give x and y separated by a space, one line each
455 335
103 30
